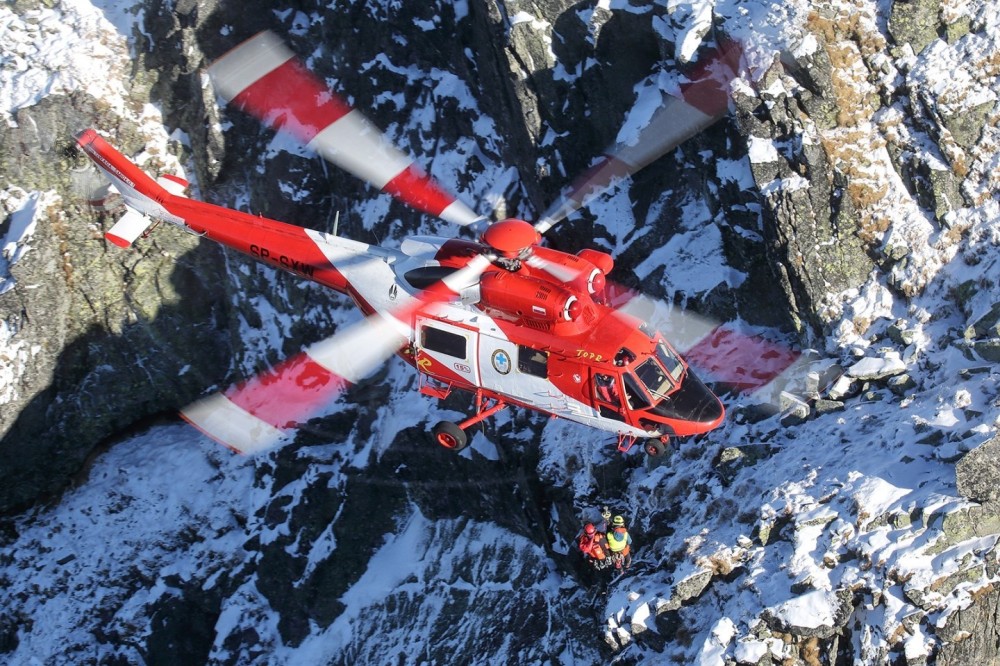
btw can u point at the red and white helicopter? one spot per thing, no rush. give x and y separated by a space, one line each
503 317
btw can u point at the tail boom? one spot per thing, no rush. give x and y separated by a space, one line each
283 245
144 197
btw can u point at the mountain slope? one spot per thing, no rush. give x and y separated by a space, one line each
853 192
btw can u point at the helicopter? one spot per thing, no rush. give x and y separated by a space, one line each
501 316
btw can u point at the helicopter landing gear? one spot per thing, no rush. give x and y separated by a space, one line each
450 436
654 447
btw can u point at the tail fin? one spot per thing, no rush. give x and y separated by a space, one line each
144 197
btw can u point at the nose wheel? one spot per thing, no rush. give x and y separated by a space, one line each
450 436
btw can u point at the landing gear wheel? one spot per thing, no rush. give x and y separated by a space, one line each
654 448
450 436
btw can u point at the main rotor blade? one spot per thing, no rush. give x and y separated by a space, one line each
265 79
262 412
703 101
257 414
721 353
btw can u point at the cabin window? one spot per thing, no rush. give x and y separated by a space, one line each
443 342
532 361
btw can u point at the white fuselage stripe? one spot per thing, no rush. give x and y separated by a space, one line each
368 273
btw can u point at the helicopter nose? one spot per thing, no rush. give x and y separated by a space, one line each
706 407
693 401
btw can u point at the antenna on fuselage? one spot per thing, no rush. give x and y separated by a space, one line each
336 222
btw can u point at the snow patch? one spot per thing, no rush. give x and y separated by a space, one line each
716 646
54 51
762 151
17 355
22 211
811 610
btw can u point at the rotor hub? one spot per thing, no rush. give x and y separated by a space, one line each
511 237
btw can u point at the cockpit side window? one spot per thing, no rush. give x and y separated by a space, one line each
443 342
634 395
608 399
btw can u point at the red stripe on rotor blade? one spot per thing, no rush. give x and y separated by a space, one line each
709 89
120 242
709 96
415 188
742 362
290 393
291 98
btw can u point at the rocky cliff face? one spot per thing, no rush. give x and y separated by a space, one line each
95 330
549 124
871 178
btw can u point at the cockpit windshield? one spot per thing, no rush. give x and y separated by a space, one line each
634 394
670 361
651 374
660 374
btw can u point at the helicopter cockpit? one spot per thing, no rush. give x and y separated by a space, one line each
659 390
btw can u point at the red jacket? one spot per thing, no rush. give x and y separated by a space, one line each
593 546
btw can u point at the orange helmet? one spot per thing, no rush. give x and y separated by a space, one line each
589 528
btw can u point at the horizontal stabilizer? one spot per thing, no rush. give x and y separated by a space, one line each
127 229
173 184
145 199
